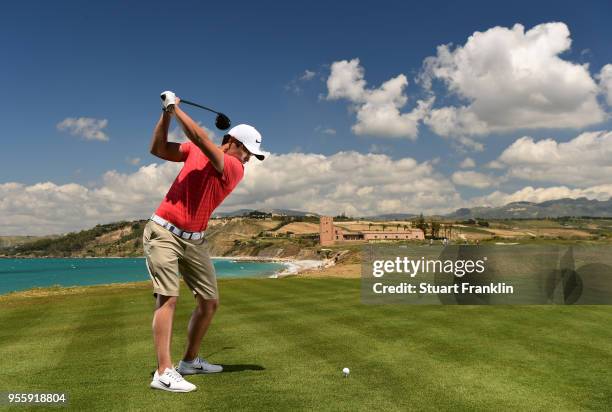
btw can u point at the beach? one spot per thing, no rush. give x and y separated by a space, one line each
293 266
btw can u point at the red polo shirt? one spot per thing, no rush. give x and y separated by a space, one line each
198 189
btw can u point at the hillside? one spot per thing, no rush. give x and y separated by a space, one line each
281 212
122 239
10 241
236 237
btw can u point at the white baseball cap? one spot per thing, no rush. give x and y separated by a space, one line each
249 137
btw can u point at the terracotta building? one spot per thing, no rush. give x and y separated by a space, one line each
330 234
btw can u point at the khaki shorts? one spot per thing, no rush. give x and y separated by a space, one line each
167 255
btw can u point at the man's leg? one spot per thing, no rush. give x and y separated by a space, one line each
162 330
162 251
198 325
167 380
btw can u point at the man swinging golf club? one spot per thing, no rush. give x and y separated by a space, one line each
173 238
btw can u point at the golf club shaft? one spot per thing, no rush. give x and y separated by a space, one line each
198 105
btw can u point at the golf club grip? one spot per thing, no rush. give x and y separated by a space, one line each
198 105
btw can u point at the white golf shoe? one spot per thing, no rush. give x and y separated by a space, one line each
198 365
171 381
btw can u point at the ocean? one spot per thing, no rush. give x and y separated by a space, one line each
22 274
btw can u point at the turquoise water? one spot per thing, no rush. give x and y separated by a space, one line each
22 274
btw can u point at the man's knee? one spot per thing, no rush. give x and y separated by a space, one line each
166 302
207 306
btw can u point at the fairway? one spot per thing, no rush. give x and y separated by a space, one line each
284 342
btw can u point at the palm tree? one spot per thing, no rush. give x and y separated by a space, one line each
435 229
421 224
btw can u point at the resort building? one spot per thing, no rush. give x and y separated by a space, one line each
330 233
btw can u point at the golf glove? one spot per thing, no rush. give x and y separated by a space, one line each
168 99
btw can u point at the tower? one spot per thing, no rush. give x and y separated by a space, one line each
326 230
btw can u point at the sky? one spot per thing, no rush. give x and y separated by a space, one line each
365 108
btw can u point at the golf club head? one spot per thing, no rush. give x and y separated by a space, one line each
223 122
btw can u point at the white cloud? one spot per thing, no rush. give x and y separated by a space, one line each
378 148
378 110
325 130
346 81
542 194
583 161
85 127
605 82
318 183
467 163
495 164
134 161
294 85
321 183
308 75
510 79
46 207
473 179
176 135
329 131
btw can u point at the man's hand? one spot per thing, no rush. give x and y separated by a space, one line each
169 99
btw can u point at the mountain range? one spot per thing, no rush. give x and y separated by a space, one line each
580 207
282 212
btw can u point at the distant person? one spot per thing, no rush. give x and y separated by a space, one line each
173 238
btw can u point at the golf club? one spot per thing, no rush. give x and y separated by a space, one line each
222 122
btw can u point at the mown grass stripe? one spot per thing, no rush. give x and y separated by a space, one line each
328 346
94 343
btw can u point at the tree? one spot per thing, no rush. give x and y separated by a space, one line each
449 231
435 229
421 224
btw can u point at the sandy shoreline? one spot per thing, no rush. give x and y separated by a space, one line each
292 266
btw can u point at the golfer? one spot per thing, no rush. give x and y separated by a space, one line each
173 238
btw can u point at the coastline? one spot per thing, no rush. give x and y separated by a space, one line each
292 266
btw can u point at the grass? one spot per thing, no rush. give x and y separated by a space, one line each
472 229
284 343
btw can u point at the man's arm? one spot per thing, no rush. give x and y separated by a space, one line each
200 138
160 146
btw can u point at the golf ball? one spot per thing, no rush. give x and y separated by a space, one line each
346 371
